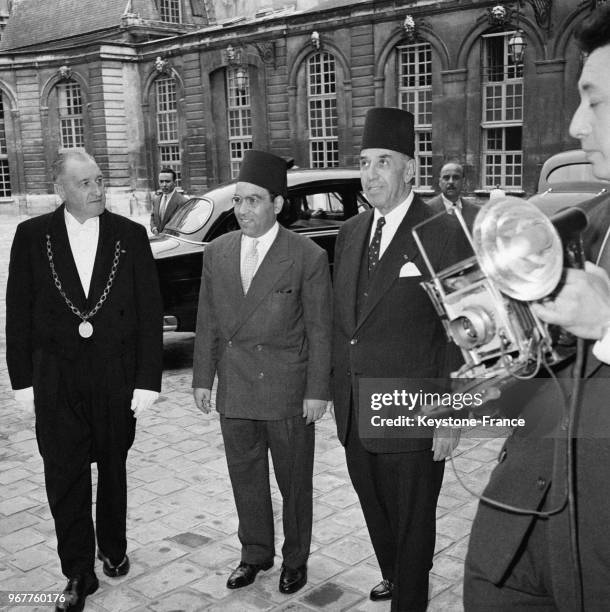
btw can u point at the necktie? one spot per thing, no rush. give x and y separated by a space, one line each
249 266
375 244
163 206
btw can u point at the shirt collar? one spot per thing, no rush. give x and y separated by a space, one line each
266 240
449 204
396 215
74 225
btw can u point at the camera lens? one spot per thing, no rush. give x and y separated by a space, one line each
474 327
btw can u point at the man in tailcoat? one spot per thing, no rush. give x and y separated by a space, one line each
385 326
263 326
166 203
451 183
84 348
555 553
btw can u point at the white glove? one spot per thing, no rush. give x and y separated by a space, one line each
142 400
25 398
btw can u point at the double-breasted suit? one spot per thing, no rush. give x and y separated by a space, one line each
385 326
157 220
516 559
270 349
83 386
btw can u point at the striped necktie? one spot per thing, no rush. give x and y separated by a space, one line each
249 265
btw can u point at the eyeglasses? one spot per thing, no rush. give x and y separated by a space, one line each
249 201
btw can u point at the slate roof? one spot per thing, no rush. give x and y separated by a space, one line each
33 22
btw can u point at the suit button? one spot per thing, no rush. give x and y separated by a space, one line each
229 343
353 341
261 375
366 294
259 347
541 483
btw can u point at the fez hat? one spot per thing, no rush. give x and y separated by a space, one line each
265 170
389 128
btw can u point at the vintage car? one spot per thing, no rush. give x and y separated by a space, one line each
318 202
567 180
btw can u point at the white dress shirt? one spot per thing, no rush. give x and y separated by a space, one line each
449 205
264 244
83 239
392 220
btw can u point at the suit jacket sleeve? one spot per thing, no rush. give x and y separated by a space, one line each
205 355
317 300
149 306
19 305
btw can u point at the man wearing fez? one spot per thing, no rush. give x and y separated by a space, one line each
263 326
385 326
451 182
555 553
84 351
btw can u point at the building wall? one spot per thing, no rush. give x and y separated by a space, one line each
119 85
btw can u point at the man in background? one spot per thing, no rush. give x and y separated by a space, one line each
166 203
451 182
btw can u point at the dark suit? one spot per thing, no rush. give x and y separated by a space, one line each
516 561
83 387
386 327
174 203
270 349
469 209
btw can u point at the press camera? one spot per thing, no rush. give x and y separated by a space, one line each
518 256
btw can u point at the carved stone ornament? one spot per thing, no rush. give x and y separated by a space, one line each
410 29
64 72
162 66
498 15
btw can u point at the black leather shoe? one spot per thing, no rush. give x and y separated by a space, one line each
383 591
76 592
114 571
291 580
245 573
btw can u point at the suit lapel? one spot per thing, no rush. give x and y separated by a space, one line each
401 249
351 257
276 262
104 256
65 267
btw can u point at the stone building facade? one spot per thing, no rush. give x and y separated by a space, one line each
193 83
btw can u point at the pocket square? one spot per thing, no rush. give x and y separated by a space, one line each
409 269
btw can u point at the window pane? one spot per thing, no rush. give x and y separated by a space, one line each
322 111
415 95
239 116
169 11
70 107
167 125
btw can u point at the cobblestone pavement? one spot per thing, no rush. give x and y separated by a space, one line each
182 522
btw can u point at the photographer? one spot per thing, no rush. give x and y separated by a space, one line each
557 557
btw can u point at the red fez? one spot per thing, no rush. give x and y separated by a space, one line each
265 170
389 128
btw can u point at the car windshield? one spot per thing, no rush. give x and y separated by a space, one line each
191 216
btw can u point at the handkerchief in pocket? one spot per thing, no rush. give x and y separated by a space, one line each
409 269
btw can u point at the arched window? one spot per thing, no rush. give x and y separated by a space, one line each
168 143
239 116
5 177
502 119
322 111
415 95
70 110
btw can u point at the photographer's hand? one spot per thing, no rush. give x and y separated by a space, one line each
582 307
444 441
